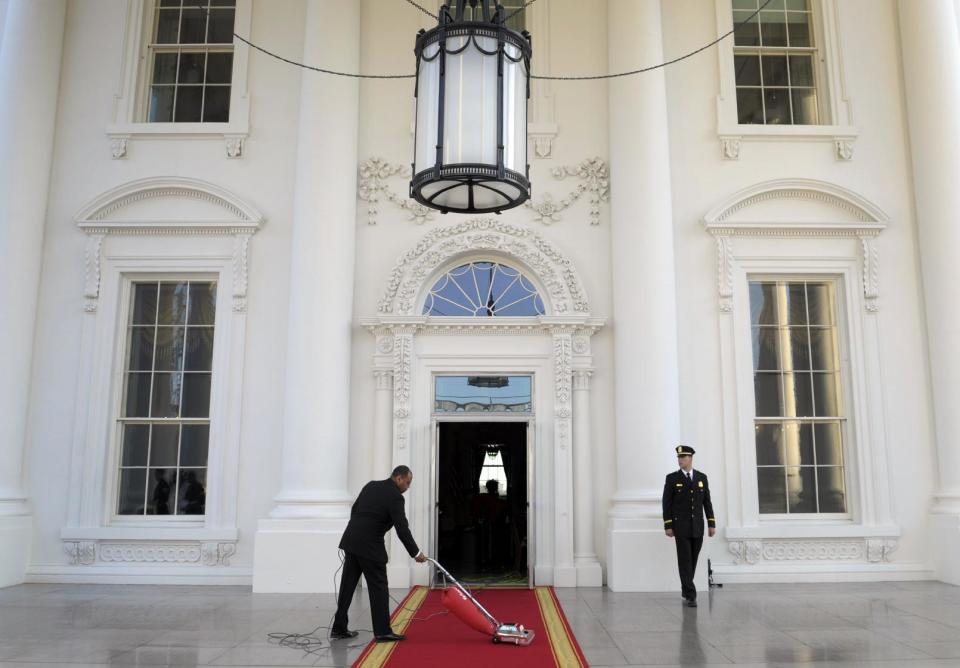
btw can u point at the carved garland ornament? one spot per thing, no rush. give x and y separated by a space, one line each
593 176
555 271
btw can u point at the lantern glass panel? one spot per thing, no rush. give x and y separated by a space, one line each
470 102
428 110
515 110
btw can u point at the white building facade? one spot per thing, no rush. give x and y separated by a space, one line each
223 314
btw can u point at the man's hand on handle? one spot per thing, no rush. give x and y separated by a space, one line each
420 558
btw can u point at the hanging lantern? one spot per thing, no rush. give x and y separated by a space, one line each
470 151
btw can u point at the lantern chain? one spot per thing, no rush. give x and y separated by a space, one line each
354 75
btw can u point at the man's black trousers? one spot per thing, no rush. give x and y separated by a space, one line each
375 573
688 549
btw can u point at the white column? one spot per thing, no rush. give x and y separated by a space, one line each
589 573
931 73
30 51
646 385
296 550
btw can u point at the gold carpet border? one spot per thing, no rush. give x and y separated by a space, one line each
380 654
564 652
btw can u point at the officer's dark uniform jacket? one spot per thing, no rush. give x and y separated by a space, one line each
684 504
379 507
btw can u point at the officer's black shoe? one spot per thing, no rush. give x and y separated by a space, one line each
343 635
390 637
691 602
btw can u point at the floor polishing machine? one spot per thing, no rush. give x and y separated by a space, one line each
467 609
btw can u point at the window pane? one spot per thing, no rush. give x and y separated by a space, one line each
777 103
144 304
774 70
194 441
801 489
798 395
745 4
219 67
796 304
216 104
161 104
166 395
747 69
167 22
798 354
199 355
169 349
483 393
165 68
160 491
798 442
193 26
203 302
823 349
773 4
800 5
771 489
163 447
769 438
821 303
798 27
220 30
826 394
831 489
801 70
766 348
173 303
174 3
132 490
193 494
805 111
196 395
829 446
773 28
138 395
189 104
136 438
749 106
483 289
192 67
141 349
747 34
767 391
763 303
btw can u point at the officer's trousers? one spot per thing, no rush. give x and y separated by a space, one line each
688 549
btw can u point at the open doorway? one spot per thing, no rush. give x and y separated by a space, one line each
482 502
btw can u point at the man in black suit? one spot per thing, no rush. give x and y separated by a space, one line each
685 525
378 507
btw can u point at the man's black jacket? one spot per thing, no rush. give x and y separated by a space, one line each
378 507
684 504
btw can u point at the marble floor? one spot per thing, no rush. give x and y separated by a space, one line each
910 624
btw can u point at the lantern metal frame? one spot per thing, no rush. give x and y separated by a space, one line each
490 24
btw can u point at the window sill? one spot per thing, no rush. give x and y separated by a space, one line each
146 532
233 135
811 529
842 137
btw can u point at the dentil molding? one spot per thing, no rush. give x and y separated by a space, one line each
592 179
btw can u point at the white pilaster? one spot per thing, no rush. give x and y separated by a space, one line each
30 51
646 384
931 73
296 550
589 573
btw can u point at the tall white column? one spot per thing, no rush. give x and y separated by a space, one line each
646 384
296 550
589 573
30 52
931 71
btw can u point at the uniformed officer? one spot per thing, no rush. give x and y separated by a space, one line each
686 496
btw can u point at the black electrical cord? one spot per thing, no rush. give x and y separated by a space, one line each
353 75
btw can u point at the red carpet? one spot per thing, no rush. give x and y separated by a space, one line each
444 640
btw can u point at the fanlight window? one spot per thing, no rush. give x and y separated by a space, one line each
483 289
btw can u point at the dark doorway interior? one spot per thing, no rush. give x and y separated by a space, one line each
482 526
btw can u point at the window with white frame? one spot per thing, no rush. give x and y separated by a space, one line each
164 421
776 63
190 61
799 419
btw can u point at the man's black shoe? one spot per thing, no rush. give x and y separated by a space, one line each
343 635
390 637
691 602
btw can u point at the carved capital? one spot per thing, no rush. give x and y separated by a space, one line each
384 379
581 379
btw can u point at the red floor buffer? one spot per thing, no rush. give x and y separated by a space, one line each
468 610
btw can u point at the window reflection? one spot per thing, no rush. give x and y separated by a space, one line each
490 394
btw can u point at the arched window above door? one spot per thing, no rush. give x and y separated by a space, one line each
483 289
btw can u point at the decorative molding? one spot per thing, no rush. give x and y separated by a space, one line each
234 145
581 380
725 272
383 379
88 552
82 552
880 549
563 373
551 267
372 184
118 145
241 253
730 147
541 137
217 554
402 374
92 259
870 550
844 148
594 178
870 258
784 189
452 326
